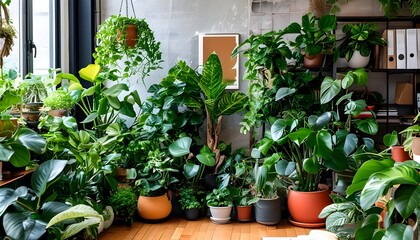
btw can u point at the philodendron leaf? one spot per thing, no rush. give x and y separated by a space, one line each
45 173
67 76
407 199
78 211
90 72
399 231
318 123
277 129
77 227
115 90
390 139
285 168
329 89
284 92
368 125
8 196
180 147
22 226
31 140
21 156
311 165
191 170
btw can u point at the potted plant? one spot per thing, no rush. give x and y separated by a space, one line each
315 39
220 203
360 38
124 203
59 102
139 59
190 203
35 92
155 174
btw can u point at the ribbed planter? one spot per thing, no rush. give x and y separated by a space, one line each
304 207
358 61
192 214
268 211
154 208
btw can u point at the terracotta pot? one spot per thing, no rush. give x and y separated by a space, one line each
121 175
304 207
131 35
313 61
268 211
399 154
358 61
154 208
32 116
58 112
244 213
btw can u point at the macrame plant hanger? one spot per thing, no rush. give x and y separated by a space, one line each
126 7
5 43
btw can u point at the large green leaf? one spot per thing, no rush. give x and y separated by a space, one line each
8 196
368 126
284 92
399 231
329 89
407 199
77 227
365 171
78 211
22 226
277 129
311 165
206 157
115 90
45 173
21 156
191 170
337 161
50 209
350 144
180 147
324 144
285 168
327 23
335 220
5 153
230 103
336 207
7 100
381 181
31 140
318 123
211 82
368 227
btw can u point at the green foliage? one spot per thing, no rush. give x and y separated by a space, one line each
219 198
362 37
139 60
392 7
188 198
59 99
124 202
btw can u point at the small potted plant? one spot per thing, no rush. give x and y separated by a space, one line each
59 102
315 39
190 203
358 43
220 203
124 203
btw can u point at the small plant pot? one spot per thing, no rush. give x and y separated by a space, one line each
8 127
358 61
110 212
192 214
154 208
268 211
58 112
399 154
313 61
244 213
130 34
220 214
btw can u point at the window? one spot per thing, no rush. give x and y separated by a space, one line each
37 48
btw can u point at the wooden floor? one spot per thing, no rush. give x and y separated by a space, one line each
202 229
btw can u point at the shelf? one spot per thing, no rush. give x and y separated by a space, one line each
16 176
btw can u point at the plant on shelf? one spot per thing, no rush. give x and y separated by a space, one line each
359 40
60 101
121 60
375 179
124 202
315 39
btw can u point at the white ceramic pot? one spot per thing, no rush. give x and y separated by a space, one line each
108 216
101 227
220 214
358 61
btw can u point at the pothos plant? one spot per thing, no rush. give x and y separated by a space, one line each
113 55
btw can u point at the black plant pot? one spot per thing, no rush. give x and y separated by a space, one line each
268 211
210 181
192 214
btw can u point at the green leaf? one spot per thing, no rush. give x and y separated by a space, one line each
368 227
180 147
317 123
355 107
127 109
90 118
368 126
7 100
22 226
335 220
381 181
311 165
78 211
5 153
74 228
115 90
90 72
67 76
21 156
390 139
324 144
231 103
399 231
206 158
284 92
285 168
31 140
329 89
45 173
9 196
350 143
211 82
362 76
70 122
191 170
277 129
407 199
348 80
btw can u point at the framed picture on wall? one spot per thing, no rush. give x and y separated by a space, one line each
223 44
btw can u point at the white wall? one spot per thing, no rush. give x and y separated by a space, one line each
177 22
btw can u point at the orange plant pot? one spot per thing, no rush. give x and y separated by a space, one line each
244 213
304 207
399 154
154 208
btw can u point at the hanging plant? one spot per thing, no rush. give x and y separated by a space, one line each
7 32
116 55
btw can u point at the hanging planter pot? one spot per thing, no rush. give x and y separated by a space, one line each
358 61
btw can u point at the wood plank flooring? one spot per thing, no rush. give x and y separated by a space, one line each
203 229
